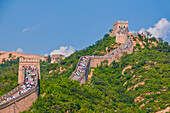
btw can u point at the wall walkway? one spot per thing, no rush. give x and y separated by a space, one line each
22 97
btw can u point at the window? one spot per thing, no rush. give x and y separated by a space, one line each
10 55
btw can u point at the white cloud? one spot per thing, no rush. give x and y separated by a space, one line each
20 50
29 29
64 50
142 30
133 32
46 54
160 29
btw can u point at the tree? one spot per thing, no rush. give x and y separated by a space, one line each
106 35
3 60
10 55
110 30
160 39
148 34
153 39
166 43
49 59
96 53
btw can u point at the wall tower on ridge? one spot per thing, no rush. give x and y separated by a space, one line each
27 62
118 27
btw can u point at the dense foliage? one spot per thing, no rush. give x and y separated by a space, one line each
8 76
106 91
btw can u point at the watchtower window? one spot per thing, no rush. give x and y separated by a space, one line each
10 55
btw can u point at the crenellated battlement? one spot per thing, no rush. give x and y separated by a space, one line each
120 30
29 60
14 55
121 22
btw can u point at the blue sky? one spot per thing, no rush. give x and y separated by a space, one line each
43 26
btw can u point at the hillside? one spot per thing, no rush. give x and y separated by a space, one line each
139 82
101 47
8 76
144 86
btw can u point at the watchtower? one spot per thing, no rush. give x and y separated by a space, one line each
23 62
120 30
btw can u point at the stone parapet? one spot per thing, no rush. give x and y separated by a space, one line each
21 102
15 55
29 60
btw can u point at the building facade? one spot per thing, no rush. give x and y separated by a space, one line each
57 58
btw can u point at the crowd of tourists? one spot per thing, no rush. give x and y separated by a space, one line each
30 79
82 65
29 82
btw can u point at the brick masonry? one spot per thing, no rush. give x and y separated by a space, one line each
97 60
116 31
15 55
23 102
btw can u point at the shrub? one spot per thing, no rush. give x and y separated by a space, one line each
128 76
137 44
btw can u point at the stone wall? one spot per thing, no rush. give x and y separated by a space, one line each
57 58
15 55
97 60
83 78
121 38
117 26
21 103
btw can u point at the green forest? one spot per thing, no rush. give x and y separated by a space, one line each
143 88
8 76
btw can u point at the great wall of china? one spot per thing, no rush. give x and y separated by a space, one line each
15 101
14 55
22 97
120 30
